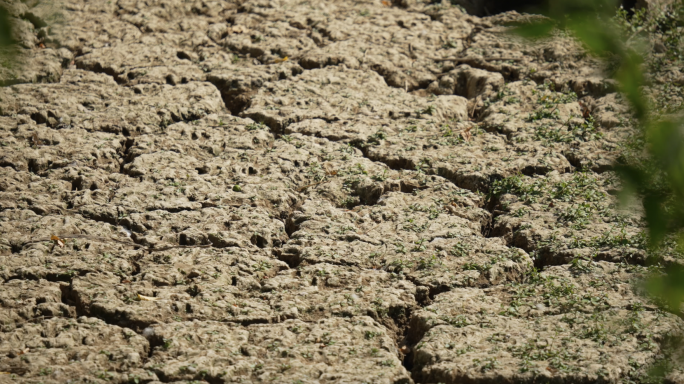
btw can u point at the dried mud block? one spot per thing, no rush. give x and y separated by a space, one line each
571 324
29 228
610 111
469 164
399 68
22 301
95 103
30 254
352 350
123 63
467 82
34 66
528 129
469 263
97 28
236 287
336 94
205 165
324 290
533 117
238 83
568 216
284 41
391 42
559 60
220 227
38 264
58 350
56 149
178 285
431 235
44 200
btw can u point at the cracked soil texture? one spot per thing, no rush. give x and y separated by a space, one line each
287 191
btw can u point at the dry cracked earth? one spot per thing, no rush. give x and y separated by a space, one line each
294 191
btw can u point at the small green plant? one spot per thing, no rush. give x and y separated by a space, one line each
376 138
256 126
486 364
167 344
518 185
429 110
428 263
459 321
460 249
370 335
577 215
472 267
450 44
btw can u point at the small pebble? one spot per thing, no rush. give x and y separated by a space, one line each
148 332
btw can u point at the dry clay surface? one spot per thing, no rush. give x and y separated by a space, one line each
312 191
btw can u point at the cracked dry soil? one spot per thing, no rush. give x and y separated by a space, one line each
308 192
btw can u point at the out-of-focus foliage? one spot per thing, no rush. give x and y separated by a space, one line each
642 49
639 48
27 27
652 167
6 40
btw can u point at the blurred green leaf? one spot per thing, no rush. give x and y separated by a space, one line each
666 141
654 169
669 287
631 178
5 29
8 47
534 30
631 78
584 8
656 218
592 32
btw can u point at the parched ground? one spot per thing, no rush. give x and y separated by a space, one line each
312 191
